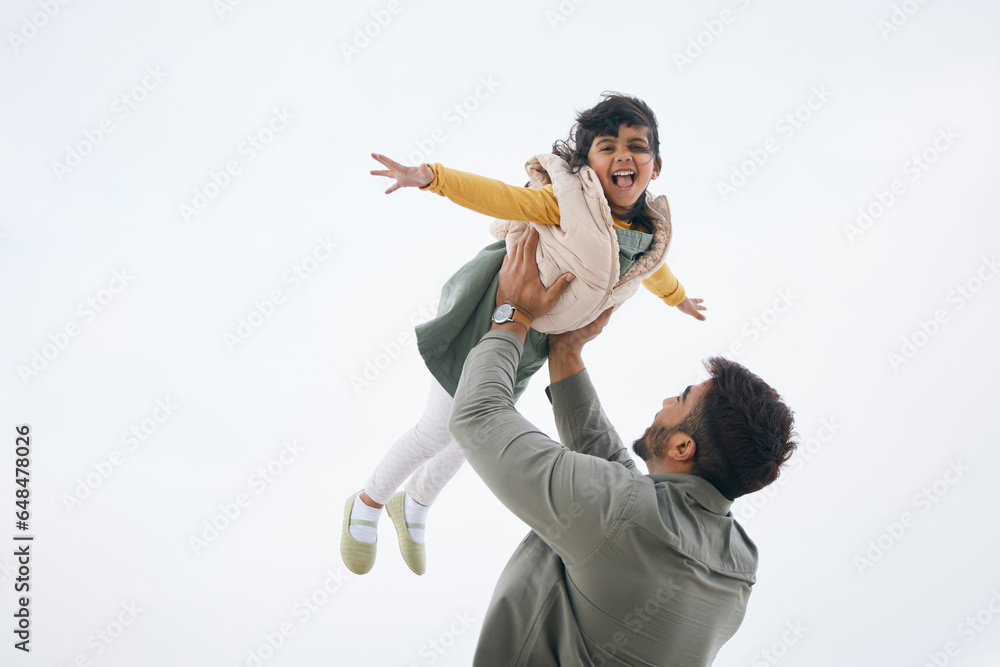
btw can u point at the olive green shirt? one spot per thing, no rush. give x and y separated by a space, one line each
619 568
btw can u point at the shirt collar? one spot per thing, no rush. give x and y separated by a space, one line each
698 488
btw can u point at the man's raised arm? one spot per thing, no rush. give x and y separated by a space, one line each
545 484
582 424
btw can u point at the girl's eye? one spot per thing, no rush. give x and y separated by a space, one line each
636 148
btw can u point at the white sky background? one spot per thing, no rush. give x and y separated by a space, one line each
891 431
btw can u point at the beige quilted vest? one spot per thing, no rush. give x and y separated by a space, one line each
585 244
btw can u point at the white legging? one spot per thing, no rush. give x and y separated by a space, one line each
427 448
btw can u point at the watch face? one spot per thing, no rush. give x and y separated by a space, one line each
503 313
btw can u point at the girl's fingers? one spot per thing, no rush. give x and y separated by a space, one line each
392 164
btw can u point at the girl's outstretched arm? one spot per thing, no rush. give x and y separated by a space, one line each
665 285
477 193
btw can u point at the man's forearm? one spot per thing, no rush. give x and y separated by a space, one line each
484 399
565 348
564 360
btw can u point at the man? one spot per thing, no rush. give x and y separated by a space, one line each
620 568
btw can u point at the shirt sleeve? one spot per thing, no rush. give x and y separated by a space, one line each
495 198
664 285
580 420
570 499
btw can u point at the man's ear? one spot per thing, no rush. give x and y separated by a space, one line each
681 448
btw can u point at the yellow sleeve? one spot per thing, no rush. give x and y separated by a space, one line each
495 198
664 285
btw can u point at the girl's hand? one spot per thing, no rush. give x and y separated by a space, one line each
406 177
692 307
519 283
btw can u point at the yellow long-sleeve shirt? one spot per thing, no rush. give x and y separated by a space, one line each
507 202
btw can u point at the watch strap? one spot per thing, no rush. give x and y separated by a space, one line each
514 315
521 319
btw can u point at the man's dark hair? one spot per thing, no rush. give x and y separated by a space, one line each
603 120
742 430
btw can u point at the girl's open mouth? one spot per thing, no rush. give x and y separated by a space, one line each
623 178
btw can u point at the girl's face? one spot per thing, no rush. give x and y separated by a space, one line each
624 165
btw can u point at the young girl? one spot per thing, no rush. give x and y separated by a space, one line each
595 219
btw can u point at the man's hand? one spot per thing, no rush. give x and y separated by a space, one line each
692 307
565 348
520 285
406 177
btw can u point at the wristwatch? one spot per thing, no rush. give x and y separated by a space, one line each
508 313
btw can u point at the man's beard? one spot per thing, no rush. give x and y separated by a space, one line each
650 444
